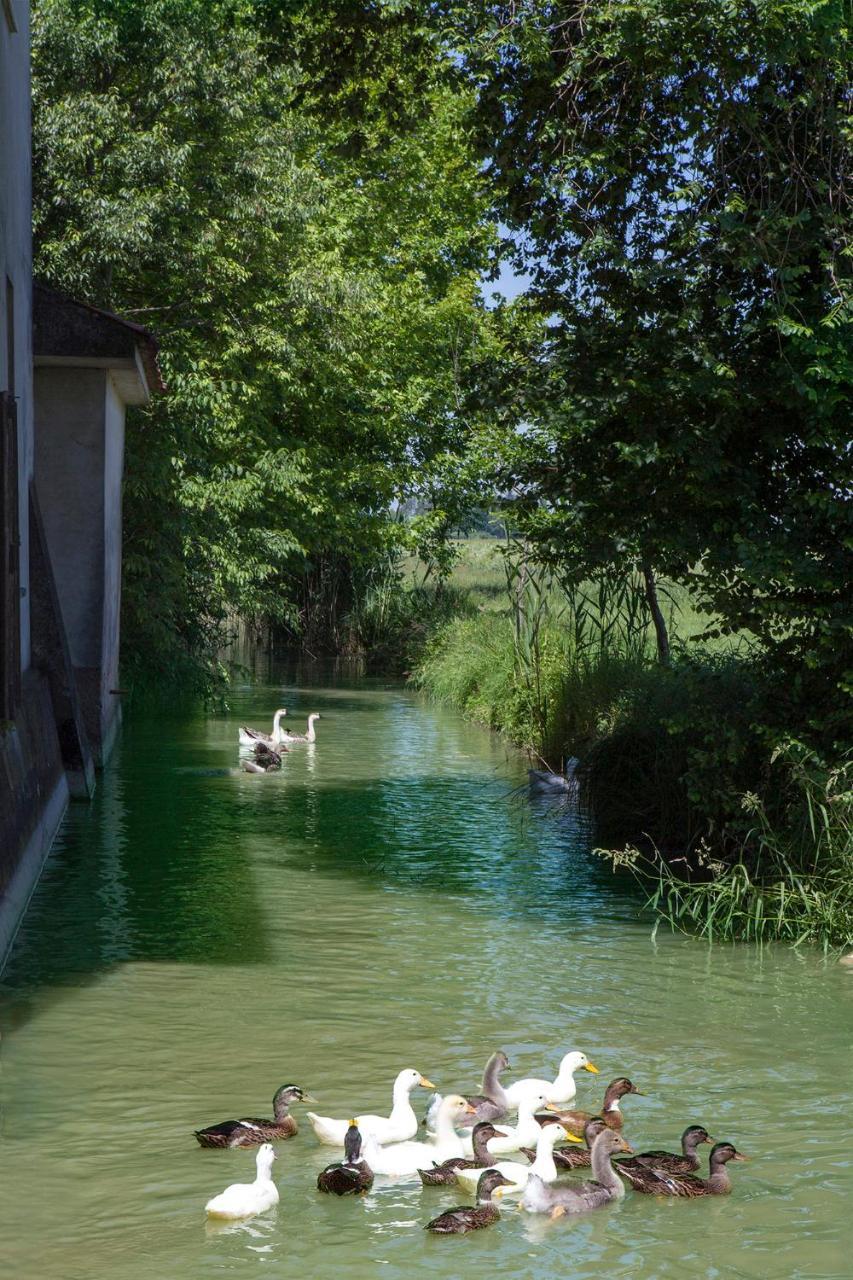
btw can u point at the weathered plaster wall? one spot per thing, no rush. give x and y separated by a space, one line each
70 411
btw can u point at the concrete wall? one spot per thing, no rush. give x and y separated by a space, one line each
16 257
79 461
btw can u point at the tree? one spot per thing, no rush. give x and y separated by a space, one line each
675 177
309 268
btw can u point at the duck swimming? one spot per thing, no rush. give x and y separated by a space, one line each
399 1126
539 1197
310 735
611 1113
568 1158
251 1131
511 1137
351 1176
456 1222
561 1089
517 1173
687 1162
406 1159
491 1103
251 737
244 1199
444 1174
657 1182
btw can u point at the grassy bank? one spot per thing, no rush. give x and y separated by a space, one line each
690 770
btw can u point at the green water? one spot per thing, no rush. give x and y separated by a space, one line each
201 936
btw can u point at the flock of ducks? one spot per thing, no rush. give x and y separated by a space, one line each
467 1135
266 749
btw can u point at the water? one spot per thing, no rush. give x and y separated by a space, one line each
202 936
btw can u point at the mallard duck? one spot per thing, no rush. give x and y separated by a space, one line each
398 1127
516 1173
244 1199
668 1162
561 1089
405 1159
351 1176
310 734
657 1182
491 1103
249 1132
568 1158
611 1113
455 1222
539 1197
444 1174
251 737
266 759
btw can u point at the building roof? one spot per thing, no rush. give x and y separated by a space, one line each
68 332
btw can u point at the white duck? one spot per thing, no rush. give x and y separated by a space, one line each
512 1136
516 1173
243 1199
563 1089
403 1159
251 737
309 736
398 1127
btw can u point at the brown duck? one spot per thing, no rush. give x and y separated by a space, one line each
351 1176
444 1174
687 1162
610 1111
568 1157
656 1182
456 1222
251 1132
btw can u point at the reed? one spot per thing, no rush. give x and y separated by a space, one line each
792 878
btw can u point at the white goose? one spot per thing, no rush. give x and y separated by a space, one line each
309 736
516 1173
243 1199
400 1125
513 1136
251 737
563 1089
403 1159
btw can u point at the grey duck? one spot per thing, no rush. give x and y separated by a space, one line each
540 1197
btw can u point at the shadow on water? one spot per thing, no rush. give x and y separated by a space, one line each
168 863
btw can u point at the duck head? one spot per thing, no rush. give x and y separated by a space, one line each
722 1153
490 1182
285 1097
693 1135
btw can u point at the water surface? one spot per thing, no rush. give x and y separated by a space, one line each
202 936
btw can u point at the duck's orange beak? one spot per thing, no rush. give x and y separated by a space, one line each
424 1083
590 1066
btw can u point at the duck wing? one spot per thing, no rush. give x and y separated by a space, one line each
667 1161
345 1179
228 1132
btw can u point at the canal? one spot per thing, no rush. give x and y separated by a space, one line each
392 898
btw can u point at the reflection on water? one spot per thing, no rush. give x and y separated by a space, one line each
391 898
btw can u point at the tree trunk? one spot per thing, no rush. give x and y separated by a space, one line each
657 615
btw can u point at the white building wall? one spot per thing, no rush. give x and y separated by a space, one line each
16 258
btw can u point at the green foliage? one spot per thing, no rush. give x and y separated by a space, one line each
675 175
308 254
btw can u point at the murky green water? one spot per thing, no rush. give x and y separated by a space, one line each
202 936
